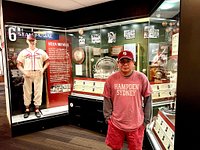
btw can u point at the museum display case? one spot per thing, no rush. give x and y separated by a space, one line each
163 66
94 59
82 58
57 78
154 43
164 128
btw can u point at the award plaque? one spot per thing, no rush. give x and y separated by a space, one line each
78 55
115 50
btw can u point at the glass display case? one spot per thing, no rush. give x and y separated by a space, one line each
82 58
163 65
94 59
95 50
154 44
57 83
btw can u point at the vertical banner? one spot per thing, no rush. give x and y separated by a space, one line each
59 71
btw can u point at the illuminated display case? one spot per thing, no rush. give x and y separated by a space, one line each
164 129
57 83
154 43
163 66
95 50
81 59
94 59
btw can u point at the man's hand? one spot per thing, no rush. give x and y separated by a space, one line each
26 74
42 71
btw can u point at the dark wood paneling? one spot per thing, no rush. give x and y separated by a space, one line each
26 14
188 87
102 13
112 11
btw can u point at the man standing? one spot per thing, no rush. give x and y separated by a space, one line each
32 62
127 104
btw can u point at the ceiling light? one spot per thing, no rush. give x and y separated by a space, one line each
165 6
172 1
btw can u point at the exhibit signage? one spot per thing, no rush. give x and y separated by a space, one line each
59 71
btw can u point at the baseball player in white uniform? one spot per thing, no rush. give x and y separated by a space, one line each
32 62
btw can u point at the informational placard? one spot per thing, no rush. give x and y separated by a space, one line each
131 47
88 86
59 71
115 50
175 42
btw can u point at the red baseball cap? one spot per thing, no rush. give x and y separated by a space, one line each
125 54
30 37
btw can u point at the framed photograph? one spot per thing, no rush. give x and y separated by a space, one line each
131 47
81 40
111 37
115 50
153 50
96 38
129 34
151 32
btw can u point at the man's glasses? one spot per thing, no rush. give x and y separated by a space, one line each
124 61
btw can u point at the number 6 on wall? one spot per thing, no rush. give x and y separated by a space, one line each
12 34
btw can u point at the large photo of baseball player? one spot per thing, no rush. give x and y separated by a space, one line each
32 62
39 78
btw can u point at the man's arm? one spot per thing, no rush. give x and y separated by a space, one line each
148 110
46 64
21 68
107 108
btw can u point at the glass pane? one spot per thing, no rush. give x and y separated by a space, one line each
163 30
56 81
95 50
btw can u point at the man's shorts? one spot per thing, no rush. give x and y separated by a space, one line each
115 137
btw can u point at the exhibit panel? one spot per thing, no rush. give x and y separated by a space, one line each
56 79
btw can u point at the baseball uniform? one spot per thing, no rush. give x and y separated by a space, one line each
33 61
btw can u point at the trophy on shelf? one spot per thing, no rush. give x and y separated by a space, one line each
104 67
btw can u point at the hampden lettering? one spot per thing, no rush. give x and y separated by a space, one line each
126 86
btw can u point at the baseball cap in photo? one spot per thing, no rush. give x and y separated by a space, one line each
30 37
125 54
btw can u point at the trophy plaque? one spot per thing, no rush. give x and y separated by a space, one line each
104 67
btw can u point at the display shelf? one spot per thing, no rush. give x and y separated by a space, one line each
19 119
163 93
89 86
161 131
87 96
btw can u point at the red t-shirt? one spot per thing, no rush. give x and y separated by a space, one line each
127 95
